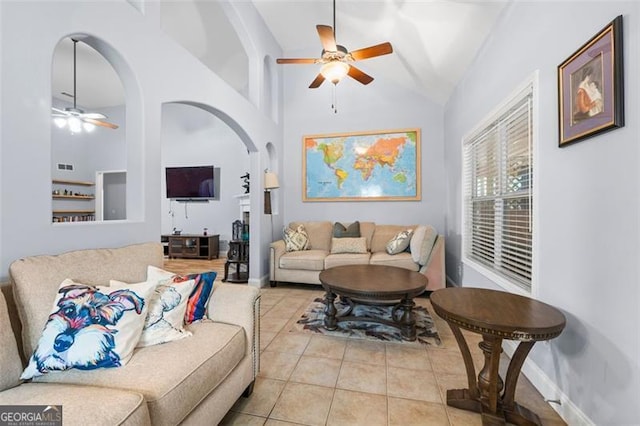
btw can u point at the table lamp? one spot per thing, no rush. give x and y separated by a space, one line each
270 182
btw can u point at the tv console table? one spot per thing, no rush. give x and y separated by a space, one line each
192 246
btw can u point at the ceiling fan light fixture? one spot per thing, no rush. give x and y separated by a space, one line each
60 122
75 124
334 71
88 127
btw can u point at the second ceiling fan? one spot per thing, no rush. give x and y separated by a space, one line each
336 58
75 118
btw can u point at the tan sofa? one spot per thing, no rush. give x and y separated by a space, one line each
305 266
194 380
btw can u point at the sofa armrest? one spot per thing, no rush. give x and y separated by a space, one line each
435 267
276 250
239 305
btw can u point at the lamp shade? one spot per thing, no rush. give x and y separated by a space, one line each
271 180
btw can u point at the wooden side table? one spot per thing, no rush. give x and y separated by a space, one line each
238 258
497 315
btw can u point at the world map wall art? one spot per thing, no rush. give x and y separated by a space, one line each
364 166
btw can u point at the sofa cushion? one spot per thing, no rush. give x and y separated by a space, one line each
91 327
383 233
10 365
366 230
83 405
348 245
333 260
350 231
319 232
422 241
175 376
36 279
199 297
309 260
400 260
399 242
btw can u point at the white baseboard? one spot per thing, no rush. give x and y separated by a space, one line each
569 412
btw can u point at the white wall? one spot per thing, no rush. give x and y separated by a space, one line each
586 207
192 136
154 70
381 105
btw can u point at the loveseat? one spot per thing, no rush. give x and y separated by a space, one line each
304 266
194 380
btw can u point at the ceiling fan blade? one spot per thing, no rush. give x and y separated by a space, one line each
58 110
372 51
100 123
356 74
94 115
317 82
327 38
296 61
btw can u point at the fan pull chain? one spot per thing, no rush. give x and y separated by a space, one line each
334 99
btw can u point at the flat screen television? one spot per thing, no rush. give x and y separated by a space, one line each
190 183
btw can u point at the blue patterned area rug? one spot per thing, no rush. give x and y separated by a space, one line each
312 320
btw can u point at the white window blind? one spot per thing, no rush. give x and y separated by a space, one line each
498 192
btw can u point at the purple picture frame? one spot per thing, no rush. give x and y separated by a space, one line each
591 87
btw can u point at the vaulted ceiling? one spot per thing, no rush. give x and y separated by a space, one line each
434 42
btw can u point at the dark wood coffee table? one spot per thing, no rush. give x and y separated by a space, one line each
497 315
373 284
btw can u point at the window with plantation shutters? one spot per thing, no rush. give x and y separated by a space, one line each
497 188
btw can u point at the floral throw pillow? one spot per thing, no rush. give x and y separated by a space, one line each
198 302
90 327
165 317
399 242
296 240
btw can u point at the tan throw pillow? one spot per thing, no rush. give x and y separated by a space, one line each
296 240
351 231
399 242
422 241
348 245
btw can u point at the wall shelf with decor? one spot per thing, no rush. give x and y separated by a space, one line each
74 216
65 193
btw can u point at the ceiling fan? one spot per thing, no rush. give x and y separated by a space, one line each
74 117
336 58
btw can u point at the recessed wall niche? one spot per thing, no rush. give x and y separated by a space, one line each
87 135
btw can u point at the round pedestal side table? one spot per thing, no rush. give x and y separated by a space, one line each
496 315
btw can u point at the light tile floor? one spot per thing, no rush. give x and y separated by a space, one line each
309 379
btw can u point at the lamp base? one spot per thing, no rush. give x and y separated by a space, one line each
267 202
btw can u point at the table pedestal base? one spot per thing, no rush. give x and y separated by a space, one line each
402 315
484 393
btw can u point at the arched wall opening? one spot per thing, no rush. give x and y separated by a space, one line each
194 134
91 148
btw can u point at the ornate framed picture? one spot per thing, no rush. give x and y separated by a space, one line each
362 166
591 87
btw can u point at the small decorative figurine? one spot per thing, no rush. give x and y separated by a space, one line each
245 178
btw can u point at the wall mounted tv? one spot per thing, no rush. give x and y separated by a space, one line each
190 183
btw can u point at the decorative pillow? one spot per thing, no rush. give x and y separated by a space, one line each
422 242
165 317
400 242
296 240
352 231
90 327
200 295
348 245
